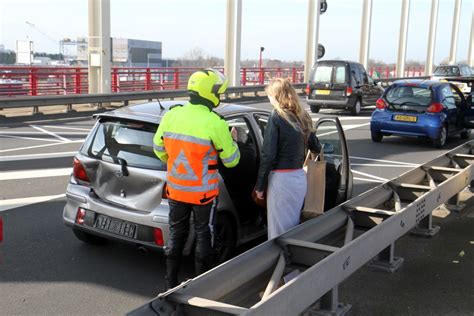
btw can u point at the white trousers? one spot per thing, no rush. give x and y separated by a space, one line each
285 196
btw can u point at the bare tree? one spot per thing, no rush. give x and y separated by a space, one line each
196 57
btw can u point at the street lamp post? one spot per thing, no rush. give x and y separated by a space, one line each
260 65
260 59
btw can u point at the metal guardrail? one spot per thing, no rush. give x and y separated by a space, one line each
323 252
99 99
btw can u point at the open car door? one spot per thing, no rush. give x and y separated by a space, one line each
338 172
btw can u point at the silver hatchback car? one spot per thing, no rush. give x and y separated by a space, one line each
116 190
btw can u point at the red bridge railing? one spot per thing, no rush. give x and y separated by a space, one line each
34 81
73 80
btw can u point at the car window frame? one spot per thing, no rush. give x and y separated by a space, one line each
445 97
460 100
250 126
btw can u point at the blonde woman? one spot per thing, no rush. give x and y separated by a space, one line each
288 134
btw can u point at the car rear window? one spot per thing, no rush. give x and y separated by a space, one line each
340 74
322 74
409 98
446 71
113 140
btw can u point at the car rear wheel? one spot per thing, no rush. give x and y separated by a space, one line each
356 108
226 237
441 140
376 137
89 238
314 108
466 134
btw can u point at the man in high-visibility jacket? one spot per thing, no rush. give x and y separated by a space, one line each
189 138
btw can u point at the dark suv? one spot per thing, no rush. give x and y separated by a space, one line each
340 84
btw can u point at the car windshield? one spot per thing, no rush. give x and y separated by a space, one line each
446 71
131 141
409 98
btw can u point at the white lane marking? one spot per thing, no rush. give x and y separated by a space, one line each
38 156
347 126
14 203
387 161
351 118
79 118
368 180
39 146
31 174
369 175
343 127
50 133
379 165
39 133
31 138
63 127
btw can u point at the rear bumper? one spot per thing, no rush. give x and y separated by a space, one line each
427 125
333 104
79 197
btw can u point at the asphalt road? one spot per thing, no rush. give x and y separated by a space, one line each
44 269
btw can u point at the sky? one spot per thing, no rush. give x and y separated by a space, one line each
277 25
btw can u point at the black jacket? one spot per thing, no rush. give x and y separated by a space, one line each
283 148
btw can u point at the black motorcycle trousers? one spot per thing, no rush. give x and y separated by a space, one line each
204 218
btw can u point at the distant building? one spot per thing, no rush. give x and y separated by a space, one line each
2 48
127 52
42 61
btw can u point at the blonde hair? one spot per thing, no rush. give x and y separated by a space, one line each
287 104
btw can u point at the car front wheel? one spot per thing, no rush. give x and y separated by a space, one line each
376 137
89 238
314 108
441 140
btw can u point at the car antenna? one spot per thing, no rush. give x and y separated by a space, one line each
161 106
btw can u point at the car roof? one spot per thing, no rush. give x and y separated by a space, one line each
455 65
422 83
152 112
340 61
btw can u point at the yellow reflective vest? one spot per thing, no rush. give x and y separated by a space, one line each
189 138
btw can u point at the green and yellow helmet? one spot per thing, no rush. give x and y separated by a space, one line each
208 84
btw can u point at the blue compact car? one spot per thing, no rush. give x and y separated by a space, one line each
423 108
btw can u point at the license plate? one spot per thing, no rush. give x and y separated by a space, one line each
405 118
115 226
323 92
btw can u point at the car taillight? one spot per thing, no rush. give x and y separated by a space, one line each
79 172
380 104
348 91
81 214
307 90
435 108
158 235
164 193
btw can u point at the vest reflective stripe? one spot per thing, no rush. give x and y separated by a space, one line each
158 148
200 189
235 155
187 138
